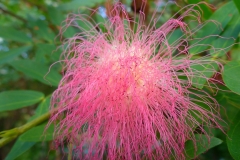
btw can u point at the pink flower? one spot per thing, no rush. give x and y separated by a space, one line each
130 94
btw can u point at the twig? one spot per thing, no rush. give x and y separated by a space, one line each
9 135
12 14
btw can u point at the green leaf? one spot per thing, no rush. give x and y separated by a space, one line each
19 146
223 16
18 149
47 53
10 55
202 145
55 16
204 72
10 33
70 32
76 4
10 100
37 71
38 133
231 76
227 38
174 37
237 3
235 53
233 141
42 108
203 8
43 31
227 98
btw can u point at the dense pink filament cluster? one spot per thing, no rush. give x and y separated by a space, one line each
129 94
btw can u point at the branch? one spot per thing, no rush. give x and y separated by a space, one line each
9 135
13 15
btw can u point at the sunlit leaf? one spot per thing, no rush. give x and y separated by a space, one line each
10 100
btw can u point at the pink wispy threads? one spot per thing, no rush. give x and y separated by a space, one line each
129 94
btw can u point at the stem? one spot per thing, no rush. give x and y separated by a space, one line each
13 15
10 135
34 122
70 151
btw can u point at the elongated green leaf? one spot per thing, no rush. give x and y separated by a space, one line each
203 8
233 141
19 148
10 100
227 98
37 71
237 3
204 72
76 4
47 53
38 134
42 108
10 55
10 33
70 32
202 145
231 76
230 34
223 16
174 37
42 30
55 15
22 146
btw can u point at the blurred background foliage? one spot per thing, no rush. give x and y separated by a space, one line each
29 46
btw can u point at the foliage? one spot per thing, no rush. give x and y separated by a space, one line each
29 46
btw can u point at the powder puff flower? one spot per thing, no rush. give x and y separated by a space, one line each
127 92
